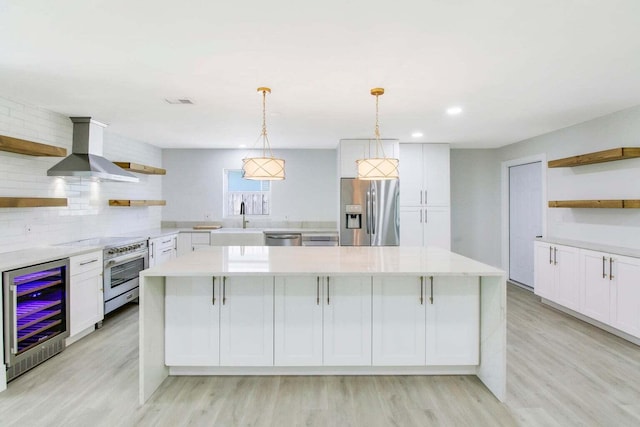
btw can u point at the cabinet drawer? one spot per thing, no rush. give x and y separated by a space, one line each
200 238
82 263
165 242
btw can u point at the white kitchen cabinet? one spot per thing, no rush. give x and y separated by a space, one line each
424 175
595 295
399 321
625 295
347 321
246 321
453 320
355 149
86 305
191 241
298 321
420 226
192 319
162 249
556 274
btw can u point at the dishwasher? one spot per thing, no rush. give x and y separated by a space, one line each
283 239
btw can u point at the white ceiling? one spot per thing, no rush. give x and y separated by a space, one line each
517 68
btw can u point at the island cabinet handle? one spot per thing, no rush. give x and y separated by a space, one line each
224 290
431 297
151 251
318 290
555 256
604 274
420 196
421 290
213 291
328 287
610 268
550 251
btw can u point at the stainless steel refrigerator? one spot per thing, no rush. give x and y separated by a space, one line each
369 212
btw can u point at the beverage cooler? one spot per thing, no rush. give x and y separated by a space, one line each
35 313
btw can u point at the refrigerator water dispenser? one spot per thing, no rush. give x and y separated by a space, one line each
354 216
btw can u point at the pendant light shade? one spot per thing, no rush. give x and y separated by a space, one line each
378 167
264 168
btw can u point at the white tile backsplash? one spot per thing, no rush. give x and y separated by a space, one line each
87 214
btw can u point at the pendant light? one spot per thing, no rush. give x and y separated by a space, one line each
263 168
377 167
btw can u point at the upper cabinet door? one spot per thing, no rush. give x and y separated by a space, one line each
411 175
436 174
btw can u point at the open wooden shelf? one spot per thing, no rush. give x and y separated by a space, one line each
22 146
31 202
615 204
597 157
136 167
132 203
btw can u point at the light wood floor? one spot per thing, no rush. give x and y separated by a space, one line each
561 372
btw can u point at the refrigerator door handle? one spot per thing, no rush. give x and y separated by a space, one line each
368 211
374 209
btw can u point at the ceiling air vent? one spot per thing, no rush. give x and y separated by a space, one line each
179 101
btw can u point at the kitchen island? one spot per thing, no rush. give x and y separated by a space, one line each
322 311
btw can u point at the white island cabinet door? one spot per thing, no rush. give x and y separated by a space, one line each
398 321
192 321
544 271
298 321
246 321
595 293
453 320
347 321
625 272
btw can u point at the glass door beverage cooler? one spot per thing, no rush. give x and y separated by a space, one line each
36 314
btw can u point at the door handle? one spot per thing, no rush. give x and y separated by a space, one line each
420 216
604 274
610 268
431 297
425 216
374 208
539 237
368 211
425 197
151 251
420 196
555 256
224 290
213 291
421 290
328 289
89 262
318 290
550 250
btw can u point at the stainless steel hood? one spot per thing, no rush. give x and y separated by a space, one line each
86 159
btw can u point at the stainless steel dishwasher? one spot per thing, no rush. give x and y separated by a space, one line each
283 239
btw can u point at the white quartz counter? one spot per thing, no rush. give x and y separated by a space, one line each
38 255
632 252
339 260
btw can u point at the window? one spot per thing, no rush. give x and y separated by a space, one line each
256 195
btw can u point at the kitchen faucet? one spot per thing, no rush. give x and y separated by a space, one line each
244 221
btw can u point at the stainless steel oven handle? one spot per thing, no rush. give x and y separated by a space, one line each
115 261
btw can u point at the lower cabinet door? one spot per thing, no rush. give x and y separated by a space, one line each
595 295
86 306
544 271
453 321
192 321
626 294
298 321
246 321
412 226
398 321
437 227
567 279
347 321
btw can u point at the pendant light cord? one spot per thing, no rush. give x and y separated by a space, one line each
265 139
377 132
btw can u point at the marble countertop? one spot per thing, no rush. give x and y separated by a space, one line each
338 260
38 255
619 250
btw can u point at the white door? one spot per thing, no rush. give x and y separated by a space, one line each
347 321
398 321
246 321
298 321
411 226
595 295
192 321
625 273
437 227
544 277
436 166
567 273
411 170
525 219
453 321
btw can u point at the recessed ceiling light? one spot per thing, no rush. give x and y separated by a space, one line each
452 111
417 134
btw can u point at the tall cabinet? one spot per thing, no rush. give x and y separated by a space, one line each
425 211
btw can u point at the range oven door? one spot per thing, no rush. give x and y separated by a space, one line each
121 274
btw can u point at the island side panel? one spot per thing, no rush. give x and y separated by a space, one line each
153 371
3 371
493 335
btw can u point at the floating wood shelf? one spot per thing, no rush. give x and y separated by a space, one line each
31 202
22 146
136 167
132 203
597 157
615 204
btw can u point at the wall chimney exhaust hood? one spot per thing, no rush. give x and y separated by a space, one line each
86 159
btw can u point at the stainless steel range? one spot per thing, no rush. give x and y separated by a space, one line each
124 259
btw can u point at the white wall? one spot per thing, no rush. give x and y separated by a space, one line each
88 214
613 180
193 186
